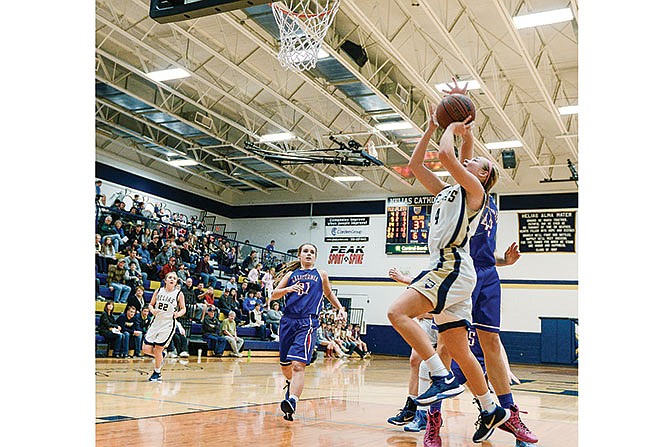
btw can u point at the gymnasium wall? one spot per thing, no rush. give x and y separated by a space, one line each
538 285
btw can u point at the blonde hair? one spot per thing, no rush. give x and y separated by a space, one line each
491 178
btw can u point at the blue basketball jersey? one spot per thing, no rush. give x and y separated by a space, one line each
309 300
483 243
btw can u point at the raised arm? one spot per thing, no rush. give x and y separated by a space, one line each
424 175
475 191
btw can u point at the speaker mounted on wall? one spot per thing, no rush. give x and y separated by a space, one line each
509 159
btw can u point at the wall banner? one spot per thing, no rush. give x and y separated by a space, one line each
347 229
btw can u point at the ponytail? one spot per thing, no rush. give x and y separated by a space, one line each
291 266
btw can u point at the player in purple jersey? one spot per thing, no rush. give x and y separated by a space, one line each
304 287
486 302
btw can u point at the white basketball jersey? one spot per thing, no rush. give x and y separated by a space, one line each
166 303
450 225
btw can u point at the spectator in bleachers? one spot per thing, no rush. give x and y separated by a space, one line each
249 262
272 318
132 259
253 277
224 302
211 328
167 268
100 198
107 229
200 292
234 297
136 233
110 330
269 252
108 252
130 326
155 246
179 343
229 332
115 209
185 256
176 254
183 274
162 257
116 278
268 282
256 320
231 284
171 244
231 263
144 319
192 308
146 262
243 290
354 333
245 249
118 228
209 296
146 235
259 297
205 271
249 304
100 261
134 276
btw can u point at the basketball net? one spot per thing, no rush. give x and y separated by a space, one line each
302 32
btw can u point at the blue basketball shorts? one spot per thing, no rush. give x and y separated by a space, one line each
486 300
297 339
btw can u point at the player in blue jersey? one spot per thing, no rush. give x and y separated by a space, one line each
446 288
304 288
486 302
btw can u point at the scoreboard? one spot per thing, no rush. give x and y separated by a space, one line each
407 224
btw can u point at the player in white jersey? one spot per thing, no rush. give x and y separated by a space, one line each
167 304
445 289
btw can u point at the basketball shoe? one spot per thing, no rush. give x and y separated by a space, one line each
155 377
516 426
287 387
288 407
441 387
405 414
432 436
487 422
418 423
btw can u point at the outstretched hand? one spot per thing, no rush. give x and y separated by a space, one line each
455 89
512 254
462 127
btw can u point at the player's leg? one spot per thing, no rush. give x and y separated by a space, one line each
408 412
454 336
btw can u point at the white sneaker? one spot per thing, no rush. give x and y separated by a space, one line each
172 355
183 354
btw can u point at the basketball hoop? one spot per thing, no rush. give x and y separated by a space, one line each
301 31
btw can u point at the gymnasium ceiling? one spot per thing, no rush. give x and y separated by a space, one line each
237 91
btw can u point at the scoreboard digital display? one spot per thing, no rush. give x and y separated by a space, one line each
407 224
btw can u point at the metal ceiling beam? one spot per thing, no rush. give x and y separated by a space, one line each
534 73
212 86
446 35
172 92
189 143
150 141
119 142
413 76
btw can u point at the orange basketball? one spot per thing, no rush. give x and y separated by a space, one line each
453 108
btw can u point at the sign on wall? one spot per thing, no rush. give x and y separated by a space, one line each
346 254
407 224
547 232
347 229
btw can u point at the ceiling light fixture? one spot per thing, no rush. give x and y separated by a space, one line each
275 137
543 18
183 162
568 110
168 75
503 145
394 125
348 178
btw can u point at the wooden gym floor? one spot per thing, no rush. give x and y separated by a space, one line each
234 402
